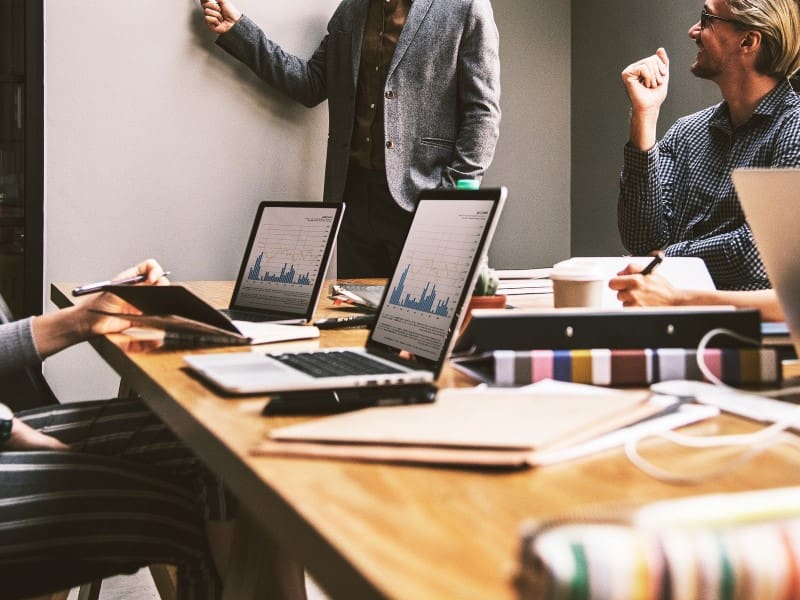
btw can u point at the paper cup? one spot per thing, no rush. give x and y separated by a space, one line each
577 286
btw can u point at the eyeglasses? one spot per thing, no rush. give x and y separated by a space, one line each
705 17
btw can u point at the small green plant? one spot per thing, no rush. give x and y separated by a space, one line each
486 284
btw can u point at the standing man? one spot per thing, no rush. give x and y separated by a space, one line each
413 91
677 194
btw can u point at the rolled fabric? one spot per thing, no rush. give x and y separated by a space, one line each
679 559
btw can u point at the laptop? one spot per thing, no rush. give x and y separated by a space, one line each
770 199
285 262
415 323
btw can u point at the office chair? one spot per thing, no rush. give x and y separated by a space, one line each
29 389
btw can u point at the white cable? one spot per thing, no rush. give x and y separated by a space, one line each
753 443
701 348
647 467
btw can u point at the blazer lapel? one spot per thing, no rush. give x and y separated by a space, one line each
419 9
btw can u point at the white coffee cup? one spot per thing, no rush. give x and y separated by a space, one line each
578 285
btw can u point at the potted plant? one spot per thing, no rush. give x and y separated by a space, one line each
485 295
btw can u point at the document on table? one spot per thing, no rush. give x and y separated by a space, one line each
482 427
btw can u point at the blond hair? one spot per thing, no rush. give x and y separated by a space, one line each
779 24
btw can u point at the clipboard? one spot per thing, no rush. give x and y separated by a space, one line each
584 328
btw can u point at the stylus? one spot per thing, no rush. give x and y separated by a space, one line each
330 401
92 288
342 322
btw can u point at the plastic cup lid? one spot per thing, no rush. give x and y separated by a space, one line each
576 273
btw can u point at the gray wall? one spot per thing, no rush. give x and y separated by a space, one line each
533 154
158 144
606 37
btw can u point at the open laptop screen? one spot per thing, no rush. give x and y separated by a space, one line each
436 272
771 203
286 258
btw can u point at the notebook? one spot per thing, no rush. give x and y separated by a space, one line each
284 264
415 323
771 202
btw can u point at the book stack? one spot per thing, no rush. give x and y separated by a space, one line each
513 282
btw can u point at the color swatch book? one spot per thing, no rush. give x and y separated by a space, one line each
607 367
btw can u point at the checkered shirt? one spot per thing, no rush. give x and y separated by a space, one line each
679 195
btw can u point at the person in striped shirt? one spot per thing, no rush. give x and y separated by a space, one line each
92 489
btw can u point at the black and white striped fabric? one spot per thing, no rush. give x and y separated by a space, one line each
127 495
679 196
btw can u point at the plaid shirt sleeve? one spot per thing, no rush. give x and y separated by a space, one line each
643 213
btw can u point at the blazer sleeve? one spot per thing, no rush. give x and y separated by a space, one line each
302 80
479 95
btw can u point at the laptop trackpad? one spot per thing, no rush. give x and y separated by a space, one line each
244 370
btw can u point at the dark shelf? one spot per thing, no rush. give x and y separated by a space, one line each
22 155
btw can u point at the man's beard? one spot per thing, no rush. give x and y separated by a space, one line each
704 71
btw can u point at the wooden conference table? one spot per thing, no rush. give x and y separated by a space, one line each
372 530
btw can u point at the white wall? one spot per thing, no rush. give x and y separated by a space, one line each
158 144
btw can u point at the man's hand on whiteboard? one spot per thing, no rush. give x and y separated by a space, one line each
220 15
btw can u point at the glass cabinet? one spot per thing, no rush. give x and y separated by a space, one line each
21 170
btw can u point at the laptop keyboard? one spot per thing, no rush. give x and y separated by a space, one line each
334 364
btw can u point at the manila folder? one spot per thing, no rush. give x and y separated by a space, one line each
480 427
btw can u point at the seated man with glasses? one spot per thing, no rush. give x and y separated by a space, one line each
676 194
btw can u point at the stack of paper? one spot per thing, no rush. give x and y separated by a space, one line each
524 281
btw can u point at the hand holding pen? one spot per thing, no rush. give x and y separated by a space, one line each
106 313
657 260
644 287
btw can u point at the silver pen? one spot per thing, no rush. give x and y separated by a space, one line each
93 288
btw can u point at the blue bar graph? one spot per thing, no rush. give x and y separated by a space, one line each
425 301
287 274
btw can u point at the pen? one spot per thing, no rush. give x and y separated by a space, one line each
92 288
341 322
653 264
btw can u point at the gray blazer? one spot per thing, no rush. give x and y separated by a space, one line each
441 101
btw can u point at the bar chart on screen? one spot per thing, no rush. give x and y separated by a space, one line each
433 269
285 260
